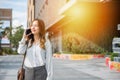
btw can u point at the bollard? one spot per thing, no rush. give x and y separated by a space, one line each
107 59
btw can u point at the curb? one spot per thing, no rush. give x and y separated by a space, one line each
77 56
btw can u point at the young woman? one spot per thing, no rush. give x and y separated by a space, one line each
38 61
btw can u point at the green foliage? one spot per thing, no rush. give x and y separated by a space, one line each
108 53
7 51
73 42
65 52
0 51
113 55
16 37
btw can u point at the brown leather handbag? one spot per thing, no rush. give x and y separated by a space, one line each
21 71
21 74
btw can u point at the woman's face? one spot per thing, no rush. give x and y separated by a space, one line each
35 28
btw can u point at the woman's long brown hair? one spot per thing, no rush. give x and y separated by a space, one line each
42 33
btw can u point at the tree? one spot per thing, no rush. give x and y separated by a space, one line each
16 37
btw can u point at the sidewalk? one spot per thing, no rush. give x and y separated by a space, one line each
94 69
9 66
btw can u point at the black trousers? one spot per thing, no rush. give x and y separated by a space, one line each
37 73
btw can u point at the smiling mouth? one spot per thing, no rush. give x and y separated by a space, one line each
33 30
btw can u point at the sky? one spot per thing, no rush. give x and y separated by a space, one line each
19 12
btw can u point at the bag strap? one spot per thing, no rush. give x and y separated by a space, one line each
24 58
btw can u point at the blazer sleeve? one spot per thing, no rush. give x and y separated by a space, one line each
22 46
49 63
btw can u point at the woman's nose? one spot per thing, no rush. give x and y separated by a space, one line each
32 27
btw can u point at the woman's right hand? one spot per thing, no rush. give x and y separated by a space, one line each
26 36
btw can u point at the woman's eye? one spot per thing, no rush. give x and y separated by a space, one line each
34 26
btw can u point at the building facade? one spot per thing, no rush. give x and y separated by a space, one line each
48 11
94 19
30 12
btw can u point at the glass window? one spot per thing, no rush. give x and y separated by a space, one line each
117 45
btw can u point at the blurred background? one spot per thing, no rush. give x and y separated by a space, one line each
13 19
85 36
77 26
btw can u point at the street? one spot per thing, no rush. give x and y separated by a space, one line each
94 69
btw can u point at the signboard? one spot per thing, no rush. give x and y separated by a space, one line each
5 14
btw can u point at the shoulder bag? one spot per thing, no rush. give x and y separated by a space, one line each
21 71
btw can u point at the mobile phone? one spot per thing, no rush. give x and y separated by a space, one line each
28 31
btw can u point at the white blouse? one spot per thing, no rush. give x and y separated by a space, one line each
37 56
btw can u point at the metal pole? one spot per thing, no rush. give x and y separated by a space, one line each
0 43
1 23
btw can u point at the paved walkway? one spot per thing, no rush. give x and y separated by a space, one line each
63 69
84 70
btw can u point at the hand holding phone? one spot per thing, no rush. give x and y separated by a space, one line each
29 33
